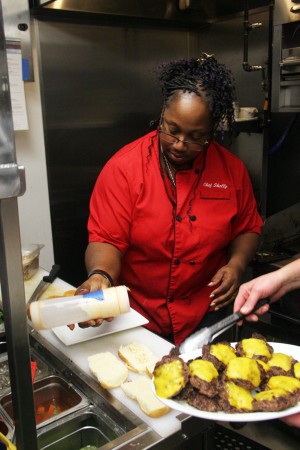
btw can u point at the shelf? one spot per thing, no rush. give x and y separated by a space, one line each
248 126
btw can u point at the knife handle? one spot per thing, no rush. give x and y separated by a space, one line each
52 274
259 304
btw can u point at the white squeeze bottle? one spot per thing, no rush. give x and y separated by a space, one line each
54 312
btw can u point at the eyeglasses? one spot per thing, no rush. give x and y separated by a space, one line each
197 145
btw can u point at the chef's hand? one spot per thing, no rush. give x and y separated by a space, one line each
94 283
227 279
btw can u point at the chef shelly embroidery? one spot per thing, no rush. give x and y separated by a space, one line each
215 185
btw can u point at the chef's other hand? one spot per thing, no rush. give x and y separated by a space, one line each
228 279
94 283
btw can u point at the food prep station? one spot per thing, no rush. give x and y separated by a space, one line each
105 419
94 416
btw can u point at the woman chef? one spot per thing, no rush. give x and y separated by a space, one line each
172 214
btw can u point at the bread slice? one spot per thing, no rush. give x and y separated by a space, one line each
138 357
108 369
140 389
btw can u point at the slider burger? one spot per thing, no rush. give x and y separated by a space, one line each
219 354
281 364
289 384
171 375
280 392
204 377
234 398
244 372
255 347
273 400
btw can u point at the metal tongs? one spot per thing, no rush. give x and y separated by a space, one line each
208 334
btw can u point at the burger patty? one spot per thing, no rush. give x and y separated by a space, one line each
276 403
171 375
247 382
200 401
210 389
185 392
208 356
275 370
238 400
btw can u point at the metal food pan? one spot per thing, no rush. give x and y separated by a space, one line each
53 398
84 429
5 428
42 370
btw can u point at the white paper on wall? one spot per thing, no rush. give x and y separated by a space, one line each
17 93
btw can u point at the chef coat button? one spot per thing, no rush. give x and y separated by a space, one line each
178 218
171 300
192 263
177 262
193 218
197 171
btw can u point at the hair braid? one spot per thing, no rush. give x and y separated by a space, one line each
207 78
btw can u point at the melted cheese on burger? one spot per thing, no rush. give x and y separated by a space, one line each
271 394
289 384
169 379
222 352
281 360
264 365
238 397
205 370
255 347
297 370
244 369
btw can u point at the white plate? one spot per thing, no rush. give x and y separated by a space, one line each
182 406
119 323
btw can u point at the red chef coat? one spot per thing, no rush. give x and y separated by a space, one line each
172 245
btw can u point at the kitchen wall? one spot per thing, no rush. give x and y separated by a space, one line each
98 92
34 208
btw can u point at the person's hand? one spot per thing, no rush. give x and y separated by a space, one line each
293 420
227 279
268 285
94 283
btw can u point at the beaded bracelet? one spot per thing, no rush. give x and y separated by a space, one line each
104 274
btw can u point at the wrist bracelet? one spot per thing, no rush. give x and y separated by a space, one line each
104 274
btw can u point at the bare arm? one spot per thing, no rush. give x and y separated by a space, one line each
104 257
241 252
274 285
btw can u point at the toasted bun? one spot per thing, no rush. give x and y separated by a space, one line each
108 369
140 390
138 358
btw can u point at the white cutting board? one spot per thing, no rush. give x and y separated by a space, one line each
79 353
130 320
57 288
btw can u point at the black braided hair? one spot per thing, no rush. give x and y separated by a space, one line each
211 81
